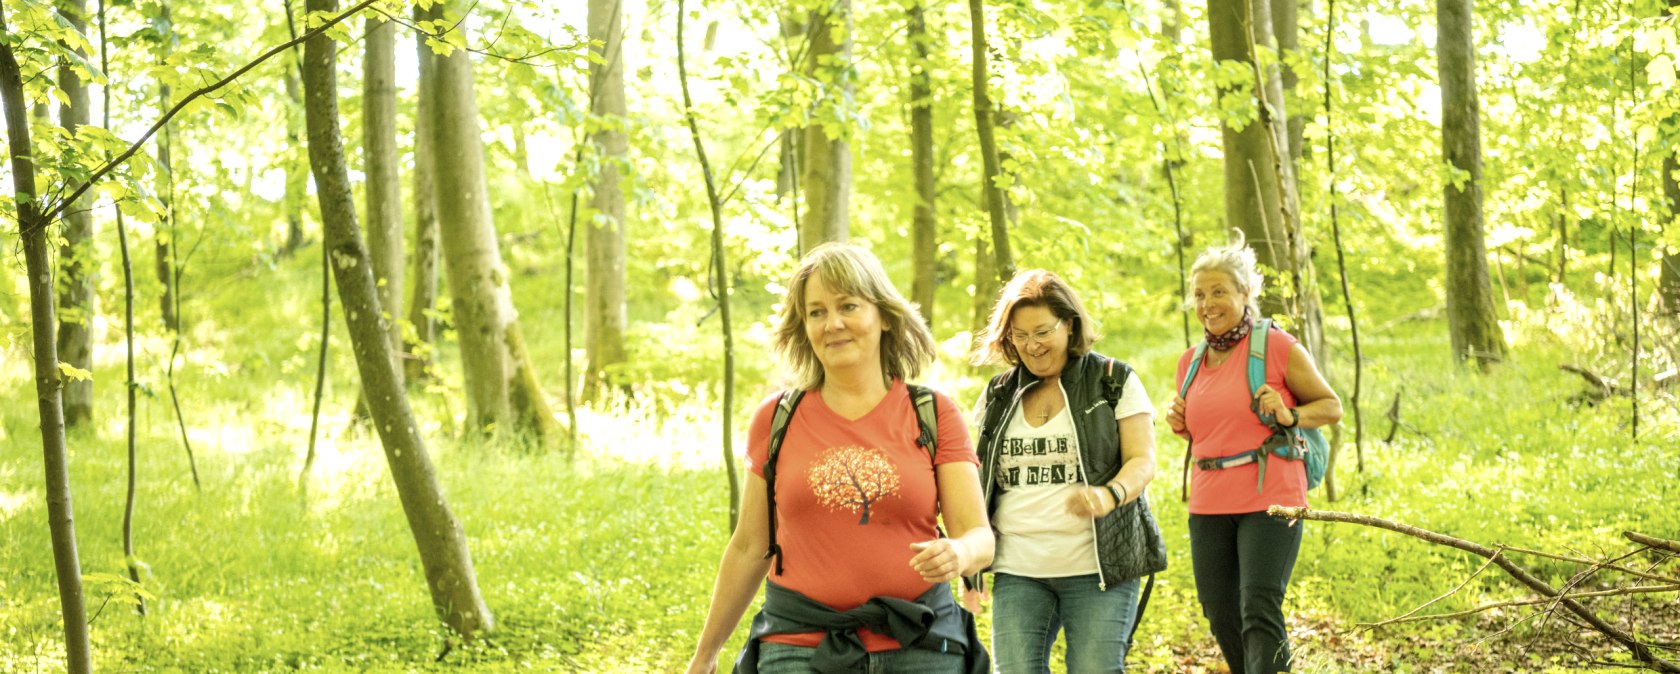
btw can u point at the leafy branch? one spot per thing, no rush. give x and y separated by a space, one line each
180 105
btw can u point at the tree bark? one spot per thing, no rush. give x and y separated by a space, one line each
32 228
925 227
1260 194
826 167
1286 25
163 244
1470 311
77 303
438 536
1668 278
384 185
500 385
605 238
1003 260
424 297
296 168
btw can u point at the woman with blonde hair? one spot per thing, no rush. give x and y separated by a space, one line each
846 483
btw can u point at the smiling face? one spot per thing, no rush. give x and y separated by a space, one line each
1040 339
1219 305
845 331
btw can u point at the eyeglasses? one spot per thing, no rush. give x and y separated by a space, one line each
1041 336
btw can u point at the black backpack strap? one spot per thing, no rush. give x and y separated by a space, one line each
1114 386
927 418
778 430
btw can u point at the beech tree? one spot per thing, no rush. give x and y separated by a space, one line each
925 228
441 541
826 153
32 226
76 269
424 296
384 186
605 310
501 385
1470 314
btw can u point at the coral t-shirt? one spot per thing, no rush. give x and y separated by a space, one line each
851 496
1221 424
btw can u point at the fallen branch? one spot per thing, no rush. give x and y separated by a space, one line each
1658 543
1409 618
1604 386
1641 651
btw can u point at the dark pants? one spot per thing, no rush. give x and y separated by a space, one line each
1242 565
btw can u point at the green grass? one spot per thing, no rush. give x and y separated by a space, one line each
604 561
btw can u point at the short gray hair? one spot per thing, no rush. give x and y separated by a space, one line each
1236 260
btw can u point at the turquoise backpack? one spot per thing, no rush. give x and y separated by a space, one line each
1294 444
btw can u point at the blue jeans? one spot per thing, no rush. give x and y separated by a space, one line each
785 659
1242 565
1028 612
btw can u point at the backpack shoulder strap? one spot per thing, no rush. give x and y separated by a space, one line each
927 418
778 430
1114 387
1190 374
1257 354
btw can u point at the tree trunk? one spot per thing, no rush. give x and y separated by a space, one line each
500 386
163 243
826 167
1286 25
925 238
441 542
424 297
32 228
605 237
76 300
384 186
297 169
1470 311
1004 261
985 285
1668 278
1259 179
789 153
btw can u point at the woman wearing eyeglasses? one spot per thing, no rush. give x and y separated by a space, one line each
1066 451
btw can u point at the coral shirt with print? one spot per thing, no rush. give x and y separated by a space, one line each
851 496
1221 424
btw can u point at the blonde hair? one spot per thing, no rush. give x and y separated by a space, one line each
1033 288
906 345
1235 260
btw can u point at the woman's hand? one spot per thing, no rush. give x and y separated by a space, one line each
939 560
1091 501
1175 414
1271 402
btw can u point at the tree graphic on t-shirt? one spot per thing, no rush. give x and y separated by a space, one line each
852 478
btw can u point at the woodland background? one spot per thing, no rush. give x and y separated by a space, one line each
423 336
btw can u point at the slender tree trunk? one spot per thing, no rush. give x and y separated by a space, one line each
1004 261
500 384
32 228
925 240
441 542
1470 311
605 235
787 173
985 283
720 289
76 301
1668 278
1286 25
424 297
384 184
826 166
296 167
163 243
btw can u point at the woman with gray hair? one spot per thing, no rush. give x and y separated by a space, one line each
1242 556
847 480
